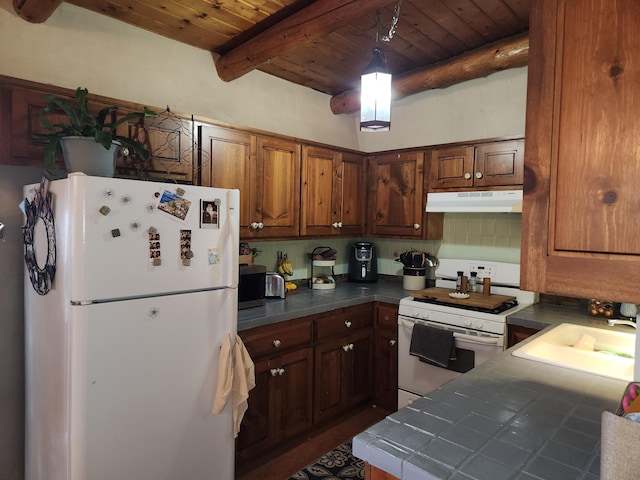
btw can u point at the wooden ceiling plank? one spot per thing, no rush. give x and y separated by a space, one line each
509 53
441 14
520 9
438 37
477 20
318 19
35 11
503 16
197 31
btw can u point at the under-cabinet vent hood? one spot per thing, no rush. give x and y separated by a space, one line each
472 201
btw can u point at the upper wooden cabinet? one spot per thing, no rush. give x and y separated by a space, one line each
277 189
227 160
265 170
397 198
581 196
169 139
333 192
485 165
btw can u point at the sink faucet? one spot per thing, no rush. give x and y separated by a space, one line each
613 322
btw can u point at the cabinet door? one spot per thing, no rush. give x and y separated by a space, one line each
277 189
227 160
293 394
581 201
386 356
396 200
359 374
451 167
500 163
353 192
255 430
321 191
171 143
329 371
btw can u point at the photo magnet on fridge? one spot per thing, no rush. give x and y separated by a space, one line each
174 205
209 214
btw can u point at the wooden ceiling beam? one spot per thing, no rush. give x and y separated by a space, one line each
35 11
313 22
508 53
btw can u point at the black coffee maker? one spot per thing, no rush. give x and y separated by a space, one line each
363 263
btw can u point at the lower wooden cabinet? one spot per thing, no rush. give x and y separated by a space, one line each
311 369
516 334
385 362
343 359
280 405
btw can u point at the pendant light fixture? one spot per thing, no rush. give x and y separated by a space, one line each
375 85
375 95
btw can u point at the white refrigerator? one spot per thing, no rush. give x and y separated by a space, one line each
130 290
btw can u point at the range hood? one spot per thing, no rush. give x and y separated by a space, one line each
473 201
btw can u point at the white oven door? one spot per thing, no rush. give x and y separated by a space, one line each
416 378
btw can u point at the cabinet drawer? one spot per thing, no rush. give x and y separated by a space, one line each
274 339
387 316
343 321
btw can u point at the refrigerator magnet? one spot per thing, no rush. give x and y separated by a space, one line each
214 257
174 205
209 213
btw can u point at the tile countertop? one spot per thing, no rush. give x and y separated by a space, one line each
306 301
509 418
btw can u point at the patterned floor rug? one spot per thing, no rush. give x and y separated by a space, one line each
338 464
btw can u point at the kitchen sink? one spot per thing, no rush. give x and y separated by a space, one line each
611 355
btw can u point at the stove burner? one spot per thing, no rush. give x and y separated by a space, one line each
495 311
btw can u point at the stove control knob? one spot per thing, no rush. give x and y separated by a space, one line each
467 322
424 314
478 325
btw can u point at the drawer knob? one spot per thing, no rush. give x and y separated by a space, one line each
274 372
277 343
392 342
479 175
280 371
347 324
467 176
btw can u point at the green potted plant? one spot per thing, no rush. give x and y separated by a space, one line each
93 136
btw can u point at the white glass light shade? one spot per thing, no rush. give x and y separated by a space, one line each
375 96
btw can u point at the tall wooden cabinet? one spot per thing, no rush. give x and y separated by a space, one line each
581 196
333 192
494 164
397 198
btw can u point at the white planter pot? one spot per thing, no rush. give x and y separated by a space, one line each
83 154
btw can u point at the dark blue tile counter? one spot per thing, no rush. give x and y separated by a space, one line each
509 418
306 301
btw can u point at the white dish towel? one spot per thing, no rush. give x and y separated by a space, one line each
236 376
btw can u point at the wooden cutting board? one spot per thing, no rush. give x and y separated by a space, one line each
440 294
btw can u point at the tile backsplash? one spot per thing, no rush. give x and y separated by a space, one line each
478 236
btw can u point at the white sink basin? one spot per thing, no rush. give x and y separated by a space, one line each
609 357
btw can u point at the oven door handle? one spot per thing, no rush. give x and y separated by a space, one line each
479 340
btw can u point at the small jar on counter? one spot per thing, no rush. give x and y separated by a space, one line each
459 282
473 282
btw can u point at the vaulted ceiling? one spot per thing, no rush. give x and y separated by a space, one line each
325 44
